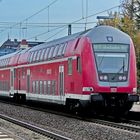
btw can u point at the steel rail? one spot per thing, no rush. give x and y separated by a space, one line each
35 128
124 126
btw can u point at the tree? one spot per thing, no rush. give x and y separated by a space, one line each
131 8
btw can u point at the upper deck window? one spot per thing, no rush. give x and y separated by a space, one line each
42 54
46 53
59 53
30 59
55 51
38 55
64 48
50 52
35 55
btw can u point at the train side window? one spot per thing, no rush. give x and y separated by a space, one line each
70 66
2 63
46 53
0 85
23 72
14 73
5 62
55 51
42 54
49 87
41 87
33 87
79 68
53 87
37 87
45 87
50 52
64 48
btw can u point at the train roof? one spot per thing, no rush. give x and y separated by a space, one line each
98 34
58 41
107 34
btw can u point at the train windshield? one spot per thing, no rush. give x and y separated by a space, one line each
111 58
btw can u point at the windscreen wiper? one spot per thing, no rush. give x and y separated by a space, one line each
119 71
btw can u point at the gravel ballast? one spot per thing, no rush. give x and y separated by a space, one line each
69 127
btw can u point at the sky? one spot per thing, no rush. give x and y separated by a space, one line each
44 20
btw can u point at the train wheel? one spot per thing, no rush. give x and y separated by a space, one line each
74 107
19 98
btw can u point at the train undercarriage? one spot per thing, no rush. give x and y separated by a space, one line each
114 104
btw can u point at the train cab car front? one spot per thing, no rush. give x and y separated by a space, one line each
114 67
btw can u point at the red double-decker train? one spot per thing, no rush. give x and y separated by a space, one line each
95 68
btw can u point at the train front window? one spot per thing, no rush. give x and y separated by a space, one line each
112 61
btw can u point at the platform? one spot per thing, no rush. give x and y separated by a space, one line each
136 107
6 135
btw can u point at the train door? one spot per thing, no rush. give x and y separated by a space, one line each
61 83
12 81
28 80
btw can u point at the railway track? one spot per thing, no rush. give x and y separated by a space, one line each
124 124
130 125
34 128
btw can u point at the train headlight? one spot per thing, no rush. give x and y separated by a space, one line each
101 77
124 78
105 77
120 78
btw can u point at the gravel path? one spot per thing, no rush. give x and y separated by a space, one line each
73 128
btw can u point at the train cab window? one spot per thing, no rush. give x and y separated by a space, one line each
46 53
55 51
38 55
50 52
79 64
42 54
64 48
70 66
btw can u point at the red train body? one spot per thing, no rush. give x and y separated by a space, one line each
92 68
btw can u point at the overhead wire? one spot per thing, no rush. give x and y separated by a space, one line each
65 26
26 19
